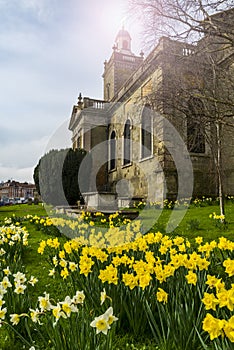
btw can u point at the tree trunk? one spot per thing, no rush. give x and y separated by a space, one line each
219 169
218 154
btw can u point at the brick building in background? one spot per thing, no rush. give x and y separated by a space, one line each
13 189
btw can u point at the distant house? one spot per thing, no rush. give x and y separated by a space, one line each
14 189
127 132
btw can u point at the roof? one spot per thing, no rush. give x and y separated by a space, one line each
124 33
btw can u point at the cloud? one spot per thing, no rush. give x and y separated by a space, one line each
41 10
22 175
28 150
25 151
49 52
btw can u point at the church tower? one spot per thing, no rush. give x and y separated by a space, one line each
120 66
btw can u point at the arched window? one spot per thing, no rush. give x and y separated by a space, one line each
108 91
127 143
195 126
112 158
146 132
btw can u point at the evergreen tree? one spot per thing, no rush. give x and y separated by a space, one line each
56 176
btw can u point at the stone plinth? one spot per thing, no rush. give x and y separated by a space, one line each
101 200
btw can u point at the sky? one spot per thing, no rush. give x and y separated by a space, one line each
50 51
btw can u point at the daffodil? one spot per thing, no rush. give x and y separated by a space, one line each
72 266
210 301
34 315
19 277
213 326
212 281
64 273
14 319
58 312
44 302
229 267
226 298
3 313
130 280
51 272
229 329
191 278
103 296
33 280
78 298
19 288
6 283
2 290
68 307
103 322
7 271
109 315
162 296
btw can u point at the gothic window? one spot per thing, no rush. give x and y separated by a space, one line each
79 142
195 126
112 158
127 143
146 132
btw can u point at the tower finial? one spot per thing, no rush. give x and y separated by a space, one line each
80 103
123 22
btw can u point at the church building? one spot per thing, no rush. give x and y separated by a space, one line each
154 134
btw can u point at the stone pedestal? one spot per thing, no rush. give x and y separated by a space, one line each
103 201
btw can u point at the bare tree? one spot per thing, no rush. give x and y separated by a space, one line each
185 20
207 28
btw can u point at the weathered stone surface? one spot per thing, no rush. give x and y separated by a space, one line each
164 82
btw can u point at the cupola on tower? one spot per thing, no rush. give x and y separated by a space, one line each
123 42
120 66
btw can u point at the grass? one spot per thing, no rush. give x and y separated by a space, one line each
196 222
34 263
21 210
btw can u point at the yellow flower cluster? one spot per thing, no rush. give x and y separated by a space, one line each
87 234
53 243
62 309
223 298
214 216
38 220
18 283
216 327
229 267
160 257
124 258
11 236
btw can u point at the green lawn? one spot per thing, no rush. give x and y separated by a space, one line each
196 222
37 265
20 210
